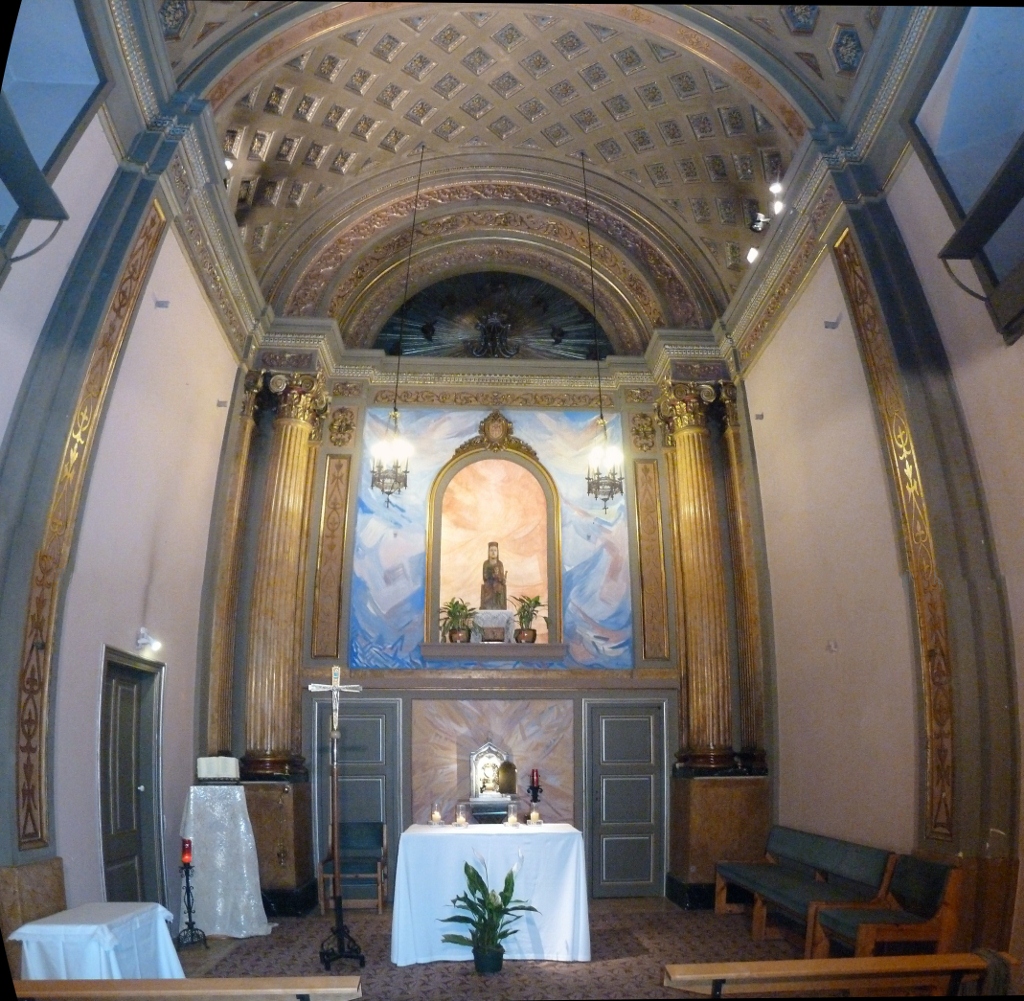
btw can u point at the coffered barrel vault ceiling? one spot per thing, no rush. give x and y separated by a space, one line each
323 109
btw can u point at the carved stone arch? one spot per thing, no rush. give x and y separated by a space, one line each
628 326
487 446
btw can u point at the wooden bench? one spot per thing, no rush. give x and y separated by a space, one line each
921 906
802 871
302 988
879 975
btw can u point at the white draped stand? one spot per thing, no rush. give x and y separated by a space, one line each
226 876
101 941
552 877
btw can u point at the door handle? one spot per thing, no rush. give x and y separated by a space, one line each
141 788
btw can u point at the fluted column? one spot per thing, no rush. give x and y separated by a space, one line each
748 611
707 741
272 711
225 601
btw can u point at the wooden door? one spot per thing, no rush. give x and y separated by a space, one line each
626 790
130 779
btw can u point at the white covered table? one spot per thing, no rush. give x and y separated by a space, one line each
101 941
552 878
226 872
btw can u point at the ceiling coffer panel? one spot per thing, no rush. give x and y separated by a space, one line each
678 130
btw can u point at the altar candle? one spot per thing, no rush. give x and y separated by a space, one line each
535 778
534 815
186 851
435 816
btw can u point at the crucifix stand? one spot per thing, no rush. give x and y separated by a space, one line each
339 944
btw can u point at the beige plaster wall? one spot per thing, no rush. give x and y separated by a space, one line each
141 554
844 646
27 294
988 376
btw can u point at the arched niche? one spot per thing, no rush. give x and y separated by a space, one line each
516 497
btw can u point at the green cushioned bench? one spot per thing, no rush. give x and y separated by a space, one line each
804 871
920 906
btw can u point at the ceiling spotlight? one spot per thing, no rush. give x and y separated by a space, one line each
760 222
775 188
752 255
778 206
228 162
144 640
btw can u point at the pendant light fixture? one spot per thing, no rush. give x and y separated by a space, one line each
604 471
389 465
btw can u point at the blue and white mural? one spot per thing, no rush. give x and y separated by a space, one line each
386 624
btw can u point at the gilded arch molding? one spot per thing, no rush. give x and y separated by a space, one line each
684 293
627 324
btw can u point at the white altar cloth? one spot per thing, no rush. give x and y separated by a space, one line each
101 941
226 872
552 877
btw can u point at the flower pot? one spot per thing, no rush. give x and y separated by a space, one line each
458 636
488 960
525 635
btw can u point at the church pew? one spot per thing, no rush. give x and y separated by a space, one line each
301 988
861 976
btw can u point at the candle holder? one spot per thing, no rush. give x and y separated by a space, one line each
534 791
435 816
190 934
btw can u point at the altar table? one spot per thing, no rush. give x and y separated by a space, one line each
100 941
226 876
552 877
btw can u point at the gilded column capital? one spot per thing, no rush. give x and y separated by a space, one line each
301 396
727 394
251 391
683 405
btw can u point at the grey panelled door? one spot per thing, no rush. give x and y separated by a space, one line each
626 786
129 781
369 762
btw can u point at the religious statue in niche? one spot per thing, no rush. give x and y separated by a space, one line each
492 591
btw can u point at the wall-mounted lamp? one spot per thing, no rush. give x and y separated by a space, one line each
144 640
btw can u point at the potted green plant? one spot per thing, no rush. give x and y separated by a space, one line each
526 612
456 620
490 915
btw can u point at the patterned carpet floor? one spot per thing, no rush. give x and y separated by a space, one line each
631 941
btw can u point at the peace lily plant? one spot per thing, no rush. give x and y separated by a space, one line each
490 915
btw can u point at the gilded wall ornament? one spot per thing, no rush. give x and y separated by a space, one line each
640 394
929 598
301 397
642 432
58 538
489 398
346 390
342 426
496 436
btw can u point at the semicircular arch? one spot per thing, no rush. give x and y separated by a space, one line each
467 456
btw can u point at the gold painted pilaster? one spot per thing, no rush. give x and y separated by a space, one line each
272 712
748 612
708 742
331 557
225 602
651 549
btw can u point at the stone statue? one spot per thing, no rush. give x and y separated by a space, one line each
492 591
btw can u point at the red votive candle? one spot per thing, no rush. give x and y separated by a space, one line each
186 851
535 778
